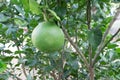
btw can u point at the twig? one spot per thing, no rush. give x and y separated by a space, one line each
101 46
88 10
23 66
16 41
15 76
75 46
76 34
63 62
111 38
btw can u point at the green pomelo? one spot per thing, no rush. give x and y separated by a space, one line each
47 37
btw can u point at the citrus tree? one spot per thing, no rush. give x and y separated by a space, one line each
59 40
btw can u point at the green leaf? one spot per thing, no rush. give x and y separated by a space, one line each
33 22
11 29
25 5
111 46
115 1
7 51
54 14
15 1
60 11
6 58
117 50
54 55
29 77
74 64
19 9
3 76
20 22
3 18
117 40
34 7
94 37
1 5
2 46
3 66
19 52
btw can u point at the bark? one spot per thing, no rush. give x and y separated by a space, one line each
91 72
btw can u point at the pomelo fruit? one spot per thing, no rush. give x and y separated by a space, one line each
47 37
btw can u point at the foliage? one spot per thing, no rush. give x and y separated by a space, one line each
18 18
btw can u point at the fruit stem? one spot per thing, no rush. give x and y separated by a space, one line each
44 15
44 11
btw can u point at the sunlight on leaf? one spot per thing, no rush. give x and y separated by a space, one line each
25 5
34 7
3 66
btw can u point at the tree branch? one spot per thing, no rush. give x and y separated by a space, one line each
111 38
53 75
102 44
75 46
88 10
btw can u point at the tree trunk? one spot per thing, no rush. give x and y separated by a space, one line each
91 71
